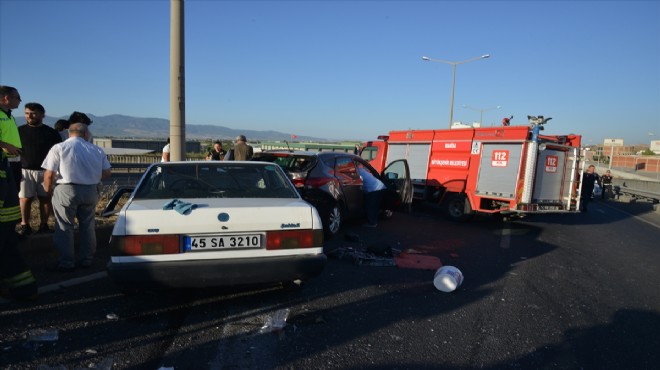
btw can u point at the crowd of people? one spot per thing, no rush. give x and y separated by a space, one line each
242 151
61 168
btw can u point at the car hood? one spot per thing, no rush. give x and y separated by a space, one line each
216 215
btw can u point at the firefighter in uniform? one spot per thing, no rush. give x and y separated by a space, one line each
15 276
606 185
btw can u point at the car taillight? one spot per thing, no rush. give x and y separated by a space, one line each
294 239
140 245
298 183
316 182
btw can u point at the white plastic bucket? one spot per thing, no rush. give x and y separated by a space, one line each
448 278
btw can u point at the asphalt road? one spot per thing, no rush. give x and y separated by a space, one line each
550 292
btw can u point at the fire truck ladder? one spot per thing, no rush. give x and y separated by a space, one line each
574 188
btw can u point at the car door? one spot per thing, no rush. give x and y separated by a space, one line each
396 176
351 185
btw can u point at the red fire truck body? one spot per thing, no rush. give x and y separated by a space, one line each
510 170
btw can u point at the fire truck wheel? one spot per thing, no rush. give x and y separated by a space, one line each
458 208
332 221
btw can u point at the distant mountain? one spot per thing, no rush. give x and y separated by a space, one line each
120 126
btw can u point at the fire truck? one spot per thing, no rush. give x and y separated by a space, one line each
509 170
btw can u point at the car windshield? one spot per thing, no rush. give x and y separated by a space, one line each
214 180
289 162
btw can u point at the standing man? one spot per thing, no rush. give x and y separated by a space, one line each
242 151
79 117
589 178
217 154
166 152
62 127
81 166
37 139
606 184
14 272
374 190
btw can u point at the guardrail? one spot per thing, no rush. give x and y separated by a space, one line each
639 188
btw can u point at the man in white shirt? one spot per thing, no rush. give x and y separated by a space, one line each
166 152
81 166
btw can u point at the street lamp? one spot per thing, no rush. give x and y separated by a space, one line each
481 112
453 81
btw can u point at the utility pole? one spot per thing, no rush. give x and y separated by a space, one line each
177 83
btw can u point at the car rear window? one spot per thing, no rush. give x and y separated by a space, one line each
214 180
290 163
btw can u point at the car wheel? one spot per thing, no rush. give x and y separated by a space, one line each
458 208
332 221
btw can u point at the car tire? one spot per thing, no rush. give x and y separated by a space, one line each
332 221
458 208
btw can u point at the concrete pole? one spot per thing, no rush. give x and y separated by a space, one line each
177 83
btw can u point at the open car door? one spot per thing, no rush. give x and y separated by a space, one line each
396 176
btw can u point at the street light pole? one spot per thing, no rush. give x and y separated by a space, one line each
481 112
453 81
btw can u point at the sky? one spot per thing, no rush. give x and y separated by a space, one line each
346 70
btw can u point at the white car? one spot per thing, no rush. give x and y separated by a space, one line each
214 223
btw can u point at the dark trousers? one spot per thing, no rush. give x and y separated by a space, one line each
14 273
584 202
372 201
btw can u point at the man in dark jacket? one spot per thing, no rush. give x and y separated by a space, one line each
242 151
589 179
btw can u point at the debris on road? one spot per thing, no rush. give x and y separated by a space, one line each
360 256
447 279
40 335
413 260
276 322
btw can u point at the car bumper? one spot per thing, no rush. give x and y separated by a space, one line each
216 273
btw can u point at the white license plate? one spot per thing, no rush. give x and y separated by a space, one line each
215 242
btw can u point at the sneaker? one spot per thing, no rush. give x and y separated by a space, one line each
24 230
44 229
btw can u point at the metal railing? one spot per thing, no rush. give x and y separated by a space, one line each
639 188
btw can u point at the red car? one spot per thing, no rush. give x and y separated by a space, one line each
331 183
